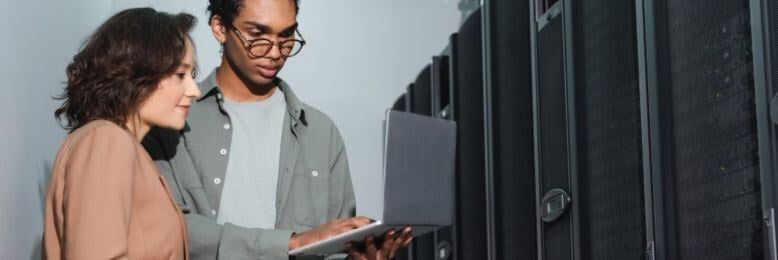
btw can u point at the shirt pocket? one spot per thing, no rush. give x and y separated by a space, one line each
310 194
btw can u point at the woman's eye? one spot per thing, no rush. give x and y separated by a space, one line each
181 75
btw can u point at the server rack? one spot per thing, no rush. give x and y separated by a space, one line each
551 131
764 15
670 105
701 144
588 137
604 101
467 110
509 130
441 107
421 93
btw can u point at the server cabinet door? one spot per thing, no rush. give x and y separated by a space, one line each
510 130
551 135
607 183
708 189
764 27
468 111
444 237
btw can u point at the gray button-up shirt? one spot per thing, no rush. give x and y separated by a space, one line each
314 185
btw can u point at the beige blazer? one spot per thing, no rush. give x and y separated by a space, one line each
107 201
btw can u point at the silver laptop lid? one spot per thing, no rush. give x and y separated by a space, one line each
419 156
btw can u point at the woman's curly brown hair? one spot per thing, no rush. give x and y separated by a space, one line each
121 64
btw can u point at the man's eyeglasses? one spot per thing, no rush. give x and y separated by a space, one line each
259 48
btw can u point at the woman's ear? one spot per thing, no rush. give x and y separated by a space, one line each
218 29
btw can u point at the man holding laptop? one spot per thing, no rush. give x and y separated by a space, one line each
257 172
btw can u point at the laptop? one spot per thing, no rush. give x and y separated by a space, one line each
417 182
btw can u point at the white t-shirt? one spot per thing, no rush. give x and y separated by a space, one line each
249 194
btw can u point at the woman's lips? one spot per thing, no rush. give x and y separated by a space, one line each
184 108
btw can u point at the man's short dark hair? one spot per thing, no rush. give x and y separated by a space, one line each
228 9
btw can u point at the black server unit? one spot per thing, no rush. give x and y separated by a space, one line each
444 237
712 174
764 22
607 171
711 137
553 185
708 194
421 93
470 238
655 128
509 101
441 87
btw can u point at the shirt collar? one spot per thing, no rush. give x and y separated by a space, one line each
293 105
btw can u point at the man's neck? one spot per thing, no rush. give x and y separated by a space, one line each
238 89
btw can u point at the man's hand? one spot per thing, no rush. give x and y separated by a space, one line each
327 230
385 250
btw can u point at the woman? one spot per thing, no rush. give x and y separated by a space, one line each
106 199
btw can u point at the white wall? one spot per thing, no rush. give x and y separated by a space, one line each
390 42
39 39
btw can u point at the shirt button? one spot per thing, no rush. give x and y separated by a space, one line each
315 173
226 126
219 96
223 151
217 180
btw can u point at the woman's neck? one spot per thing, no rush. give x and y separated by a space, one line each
138 128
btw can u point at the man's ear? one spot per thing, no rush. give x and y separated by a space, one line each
218 29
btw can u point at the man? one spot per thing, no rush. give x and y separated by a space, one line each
256 171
